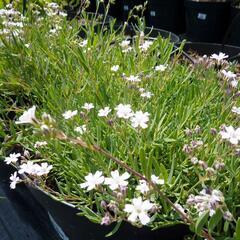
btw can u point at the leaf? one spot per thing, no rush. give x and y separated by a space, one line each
88 213
163 172
115 229
214 220
201 222
237 232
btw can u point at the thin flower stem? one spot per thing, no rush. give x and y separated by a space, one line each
98 149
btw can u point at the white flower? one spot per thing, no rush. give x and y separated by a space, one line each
104 112
81 129
124 111
28 116
206 201
69 114
231 134
14 180
92 181
83 43
234 83
160 68
144 47
125 44
133 78
147 94
29 168
139 210
157 180
12 158
117 181
141 90
115 68
40 144
88 106
43 169
236 110
143 187
219 57
228 74
140 119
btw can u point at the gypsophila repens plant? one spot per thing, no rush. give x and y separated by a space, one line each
122 128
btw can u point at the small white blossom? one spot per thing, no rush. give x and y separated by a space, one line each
140 119
28 116
141 90
124 111
143 187
147 94
81 129
12 158
157 180
92 180
145 46
138 210
29 168
228 74
115 68
83 43
209 201
14 180
69 114
124 44
133 78
88 106
160 68
104 112
219 57
234 83
236 110
116 181
39 144
231 134
43 169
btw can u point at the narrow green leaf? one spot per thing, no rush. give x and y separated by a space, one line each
214 220
202 220
237 232
164 171
115 229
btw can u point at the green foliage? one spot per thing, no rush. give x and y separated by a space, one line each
57 72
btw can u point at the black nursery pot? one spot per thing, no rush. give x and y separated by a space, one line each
167 14
209 48
156 32
73 227
206 21
233 33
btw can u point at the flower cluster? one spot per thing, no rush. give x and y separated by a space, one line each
29 167
207 201
12 22
138 210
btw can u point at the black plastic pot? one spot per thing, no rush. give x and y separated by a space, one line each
209 48
232 35
206 21
167 14
156 32
72 227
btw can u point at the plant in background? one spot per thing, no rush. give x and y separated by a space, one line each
122 128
